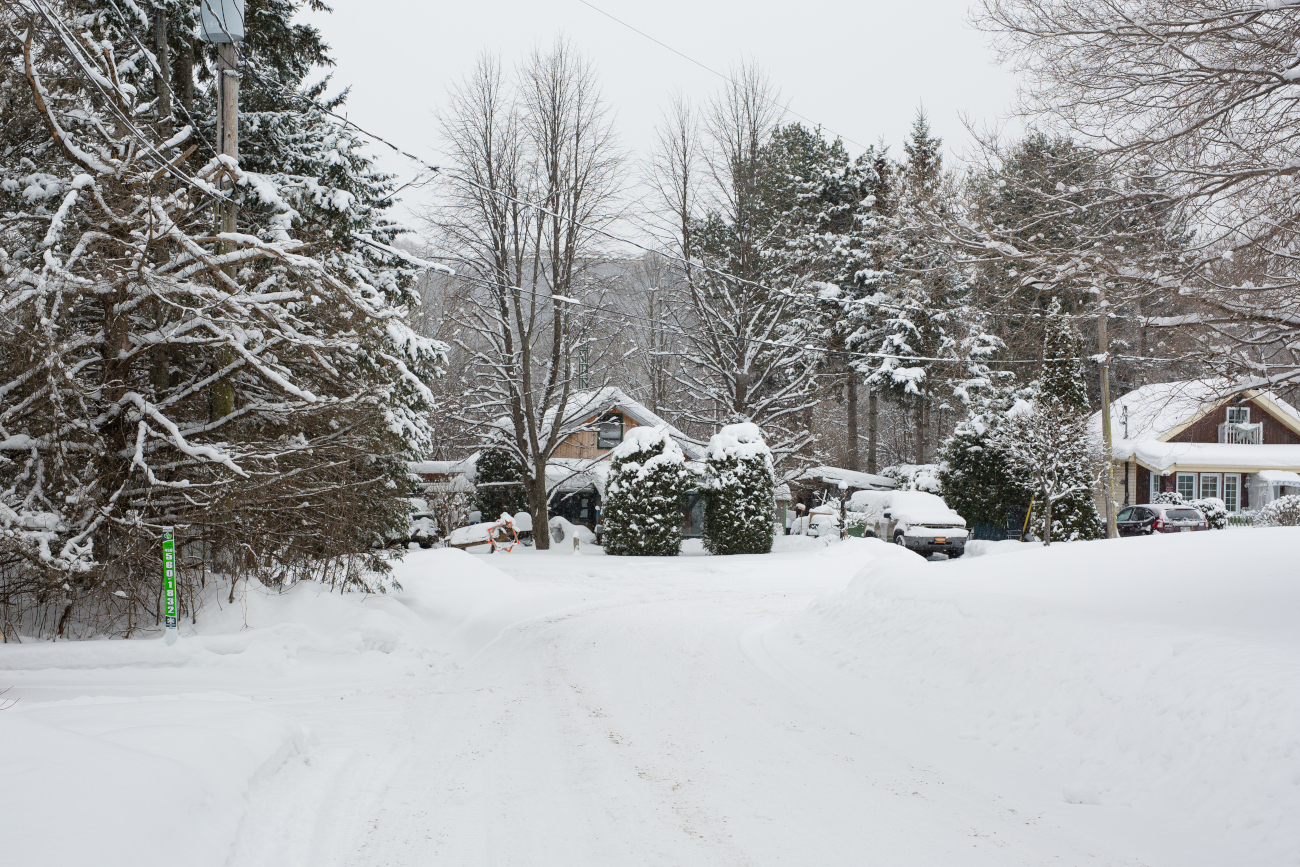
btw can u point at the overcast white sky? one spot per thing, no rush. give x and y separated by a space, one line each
860 69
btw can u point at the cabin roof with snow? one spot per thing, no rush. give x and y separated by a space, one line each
584 412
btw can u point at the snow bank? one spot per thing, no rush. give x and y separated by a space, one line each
1159 674
161 780
469 603
989 548
263 631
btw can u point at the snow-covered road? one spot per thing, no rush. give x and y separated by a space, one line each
609 711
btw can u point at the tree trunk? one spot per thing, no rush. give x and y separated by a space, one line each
1047 521
183 75
851 399
922 429
162 79
537 503
873 417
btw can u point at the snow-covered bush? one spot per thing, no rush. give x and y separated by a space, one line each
1282 512
642 509
1169 498
1215 512
915 477
738 485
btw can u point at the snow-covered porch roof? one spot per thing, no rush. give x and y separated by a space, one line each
569 475
1166 458
851 478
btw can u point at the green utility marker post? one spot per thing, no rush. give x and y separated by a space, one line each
169 581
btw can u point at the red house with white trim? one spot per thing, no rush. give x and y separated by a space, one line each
1204 438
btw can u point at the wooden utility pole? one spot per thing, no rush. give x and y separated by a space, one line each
228 121
1103 343
223 392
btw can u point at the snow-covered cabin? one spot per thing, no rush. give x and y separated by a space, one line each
598 421
1203 438
601 419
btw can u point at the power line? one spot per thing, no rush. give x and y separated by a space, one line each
761 341
436 169
710 69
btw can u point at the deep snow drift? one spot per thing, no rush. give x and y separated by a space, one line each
1121 702
1157 674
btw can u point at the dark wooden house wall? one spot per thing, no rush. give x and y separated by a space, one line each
1142 495
1206 429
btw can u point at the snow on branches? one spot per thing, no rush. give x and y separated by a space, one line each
121 309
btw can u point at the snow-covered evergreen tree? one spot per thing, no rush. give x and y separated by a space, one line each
739 502
977 477
119 312
498 485
1049 443
641 512
1060 381
916 313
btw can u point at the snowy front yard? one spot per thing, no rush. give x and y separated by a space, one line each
1125 702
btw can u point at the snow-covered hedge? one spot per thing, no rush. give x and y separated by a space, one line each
1169 498
1215 512
1282 512
642 509
739 484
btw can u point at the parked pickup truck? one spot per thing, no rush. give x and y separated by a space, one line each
916 520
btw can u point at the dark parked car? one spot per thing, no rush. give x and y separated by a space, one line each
1159 518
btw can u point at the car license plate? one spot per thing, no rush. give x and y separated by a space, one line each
1185 529
940 539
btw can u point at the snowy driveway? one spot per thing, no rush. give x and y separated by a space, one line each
610 711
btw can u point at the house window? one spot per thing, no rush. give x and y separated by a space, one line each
1238 415
1186 485
1155 486
1232 491
1209 485
609 431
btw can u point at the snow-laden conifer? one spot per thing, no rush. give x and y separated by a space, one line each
739 488
119 313
977 477
1050 444
642 509
1074 517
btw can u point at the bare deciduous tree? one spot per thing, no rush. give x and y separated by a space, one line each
743 360
1200 97
535 181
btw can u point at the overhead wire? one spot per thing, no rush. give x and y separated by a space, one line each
724 77
69 43
553 214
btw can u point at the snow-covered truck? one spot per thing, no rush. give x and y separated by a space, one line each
916 520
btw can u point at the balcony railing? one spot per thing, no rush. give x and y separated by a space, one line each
1241 434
